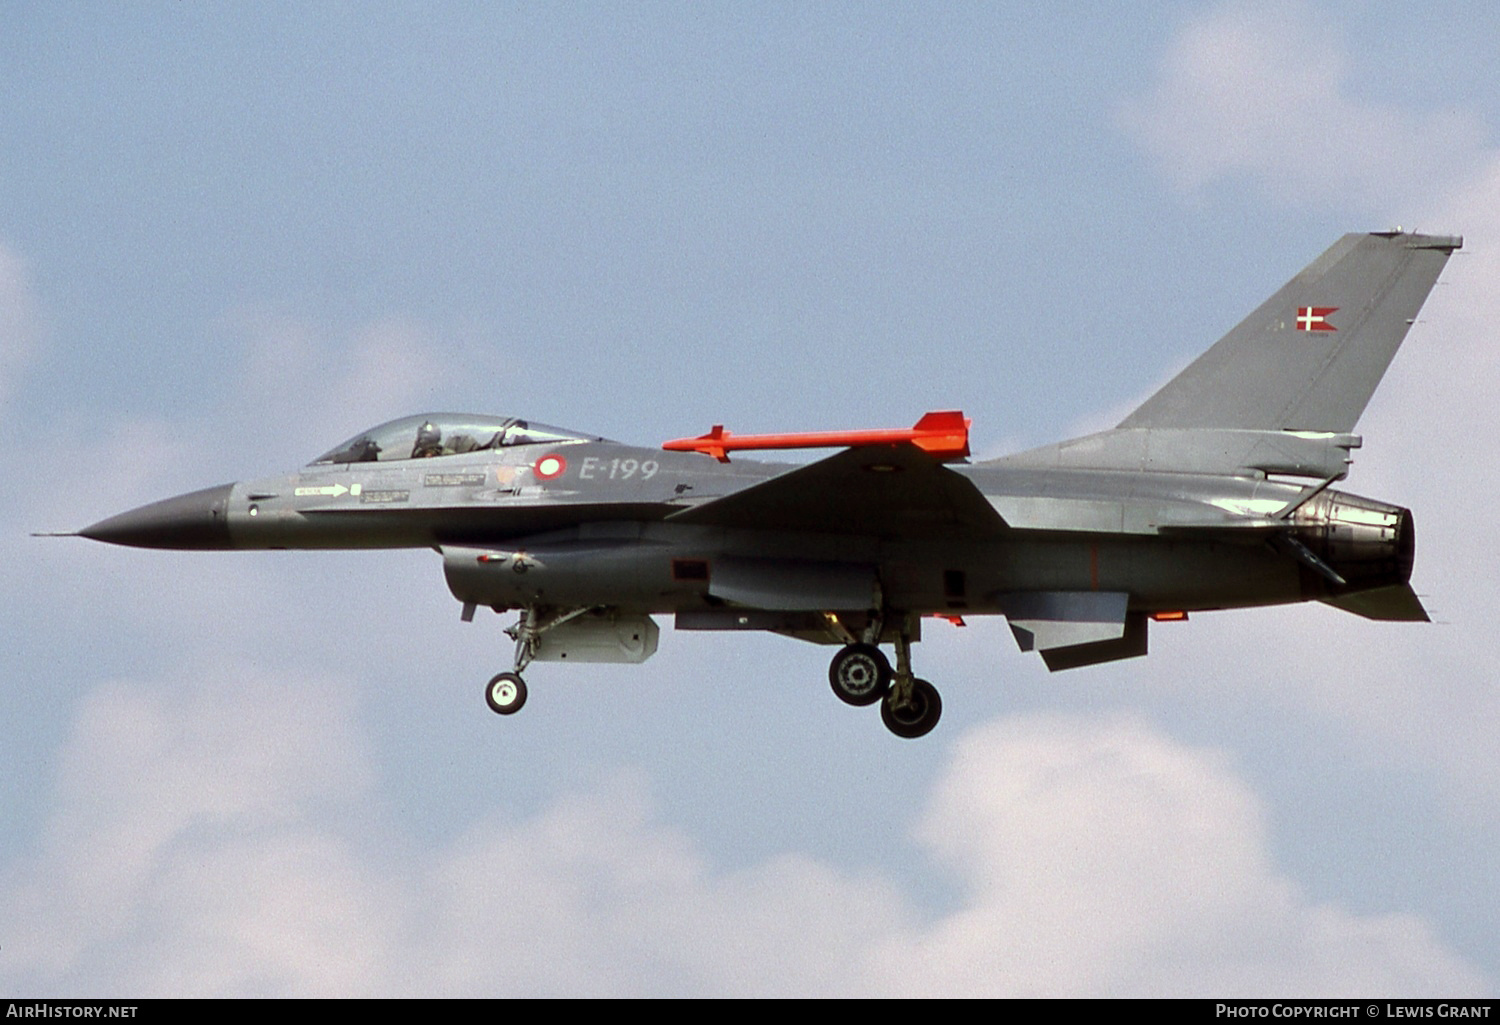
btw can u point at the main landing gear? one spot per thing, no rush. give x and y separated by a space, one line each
861 675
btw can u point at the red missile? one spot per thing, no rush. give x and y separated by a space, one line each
944 435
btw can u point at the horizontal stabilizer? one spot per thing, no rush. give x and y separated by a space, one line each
1312 355
1398 603
1313 454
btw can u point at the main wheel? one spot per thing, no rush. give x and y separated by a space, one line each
918 717
506 693
860 674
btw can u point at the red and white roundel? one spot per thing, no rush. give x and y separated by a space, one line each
549 466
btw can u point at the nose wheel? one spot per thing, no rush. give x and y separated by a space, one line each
506 693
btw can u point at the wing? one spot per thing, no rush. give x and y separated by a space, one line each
882 490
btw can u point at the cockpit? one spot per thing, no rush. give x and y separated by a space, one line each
432 435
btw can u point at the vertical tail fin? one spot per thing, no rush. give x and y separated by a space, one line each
1312 355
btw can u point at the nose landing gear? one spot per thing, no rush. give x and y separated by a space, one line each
506 692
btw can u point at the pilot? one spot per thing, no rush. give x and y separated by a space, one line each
429 442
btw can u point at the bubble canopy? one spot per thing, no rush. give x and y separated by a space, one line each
430 435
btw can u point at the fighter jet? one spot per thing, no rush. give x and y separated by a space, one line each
1215 494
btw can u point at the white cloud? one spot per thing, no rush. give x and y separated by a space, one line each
1104 859
1261 90
228 846
154 785
594 897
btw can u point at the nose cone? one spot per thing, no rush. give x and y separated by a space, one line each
198 519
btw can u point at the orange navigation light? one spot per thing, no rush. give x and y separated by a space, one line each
944 435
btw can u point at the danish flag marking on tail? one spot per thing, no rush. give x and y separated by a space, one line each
1315 318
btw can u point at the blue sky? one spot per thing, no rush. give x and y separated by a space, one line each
232 235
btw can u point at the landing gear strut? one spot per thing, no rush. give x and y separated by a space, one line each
506 692
861 675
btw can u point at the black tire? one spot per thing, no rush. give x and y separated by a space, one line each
919 717
505 694
860 674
